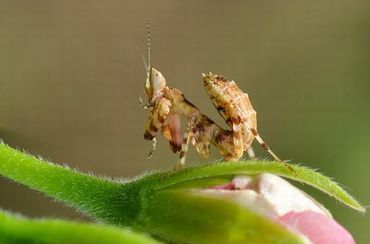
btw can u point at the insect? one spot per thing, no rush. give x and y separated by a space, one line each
166 104
236 109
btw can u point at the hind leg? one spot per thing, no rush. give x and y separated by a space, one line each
267 148
264 145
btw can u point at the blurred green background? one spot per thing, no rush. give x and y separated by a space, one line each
71 73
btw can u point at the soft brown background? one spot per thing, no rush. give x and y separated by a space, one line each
71 74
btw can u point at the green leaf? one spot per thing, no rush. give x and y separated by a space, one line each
16 229
294 172
163 203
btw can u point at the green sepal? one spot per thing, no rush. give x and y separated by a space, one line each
188 216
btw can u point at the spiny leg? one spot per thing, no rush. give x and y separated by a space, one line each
267 148
154 146
185 148
264 145
188 136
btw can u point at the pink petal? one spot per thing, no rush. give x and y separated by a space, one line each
227 186
319 228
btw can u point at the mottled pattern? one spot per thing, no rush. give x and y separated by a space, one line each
234 106
162 117
236 109
166 104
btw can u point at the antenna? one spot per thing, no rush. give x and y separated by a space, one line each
148 42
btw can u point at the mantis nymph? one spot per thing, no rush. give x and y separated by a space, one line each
166 104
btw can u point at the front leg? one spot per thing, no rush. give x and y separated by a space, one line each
156 120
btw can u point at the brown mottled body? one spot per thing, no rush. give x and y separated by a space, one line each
167 103
202 130
237 110
163 118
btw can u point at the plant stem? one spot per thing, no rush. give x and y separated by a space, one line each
87 193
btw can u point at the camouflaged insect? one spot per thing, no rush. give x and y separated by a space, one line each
167 104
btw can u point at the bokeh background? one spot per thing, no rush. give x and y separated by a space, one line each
71 73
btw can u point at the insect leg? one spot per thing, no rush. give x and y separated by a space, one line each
202 144
154 146
264 145
157 117
267 148
188 136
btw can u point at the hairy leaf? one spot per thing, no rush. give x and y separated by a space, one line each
294 172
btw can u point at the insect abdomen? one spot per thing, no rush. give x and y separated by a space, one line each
233 105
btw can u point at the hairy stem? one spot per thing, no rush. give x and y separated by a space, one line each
86 193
